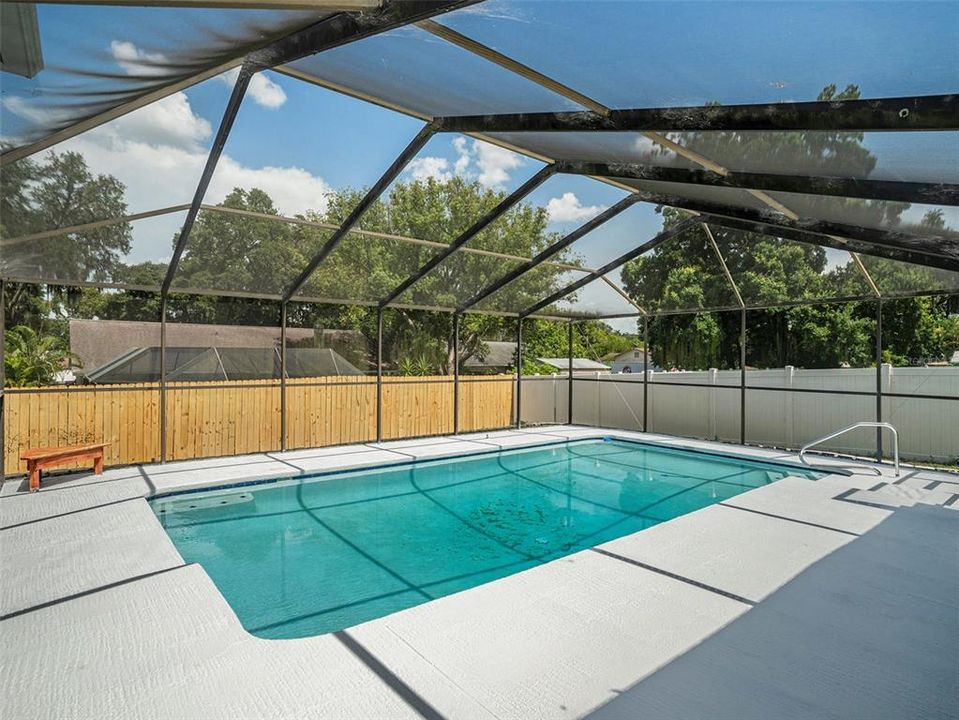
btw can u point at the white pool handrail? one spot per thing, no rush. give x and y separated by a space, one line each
865 423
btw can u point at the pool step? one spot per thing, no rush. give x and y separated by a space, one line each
895 496
187 504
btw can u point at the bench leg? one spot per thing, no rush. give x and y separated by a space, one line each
98 464
34 476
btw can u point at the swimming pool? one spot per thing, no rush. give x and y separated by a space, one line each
310 556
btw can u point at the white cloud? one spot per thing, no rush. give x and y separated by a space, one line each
568 207
266 92
22 107
428 167
136 61
463 153
167 122
262 90
490 165
158 153
293 189
643 145
494 163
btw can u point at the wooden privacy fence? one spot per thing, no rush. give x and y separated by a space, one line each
127 417
212 419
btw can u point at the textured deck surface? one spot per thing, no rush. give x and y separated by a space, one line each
102 619
869 632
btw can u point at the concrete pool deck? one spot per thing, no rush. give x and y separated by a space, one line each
102 618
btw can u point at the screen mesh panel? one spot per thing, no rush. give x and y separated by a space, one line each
656 54
148 159
769 270
131 253
595 299
897 278
608 147
457 279
366 268
243 253
300 157
529 288
414 70
912 156
274 146
681 273
625 231
70 62
880 214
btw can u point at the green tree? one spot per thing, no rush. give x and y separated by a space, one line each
436 212
237 252
58 191
684 273
32 359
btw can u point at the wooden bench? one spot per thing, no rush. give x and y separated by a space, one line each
39 458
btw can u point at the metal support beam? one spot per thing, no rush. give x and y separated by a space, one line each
890 190
857 261
475 229
722 262
646 373
569 372
226 124
551 251
456 373
85 227
612 265
742 377
314 5
344 28
855 246
924 112
519 373
938 250
329 32
879 379
390 105
358 232
513 66
283 405
163 404
379 375
372 195
83 125
623 294
779 305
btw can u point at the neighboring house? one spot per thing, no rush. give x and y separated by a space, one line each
97 342
112 351
495 356
631 361
580 365
198 364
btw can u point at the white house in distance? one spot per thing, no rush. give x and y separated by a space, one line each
631 361
580 365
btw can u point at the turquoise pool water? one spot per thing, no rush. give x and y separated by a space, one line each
304 557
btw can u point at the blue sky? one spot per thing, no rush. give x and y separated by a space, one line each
298 141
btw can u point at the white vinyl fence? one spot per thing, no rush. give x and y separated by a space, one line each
707 405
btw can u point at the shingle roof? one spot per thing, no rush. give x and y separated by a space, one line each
495 353
578 363
186 364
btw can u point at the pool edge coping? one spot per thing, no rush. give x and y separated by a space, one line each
193 488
